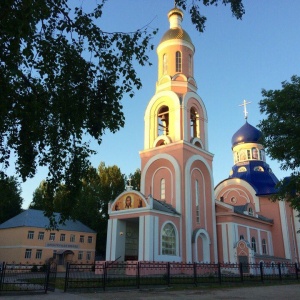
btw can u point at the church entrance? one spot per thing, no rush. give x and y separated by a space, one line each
132 239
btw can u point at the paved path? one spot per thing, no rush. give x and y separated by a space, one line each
279 292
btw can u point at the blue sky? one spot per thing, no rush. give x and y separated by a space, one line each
234 60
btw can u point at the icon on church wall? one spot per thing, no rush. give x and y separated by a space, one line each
129 201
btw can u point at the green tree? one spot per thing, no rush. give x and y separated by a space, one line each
281 132
193 6
135 179
98 188
62 78
10 198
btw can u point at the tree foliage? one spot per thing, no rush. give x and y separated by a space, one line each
281 131
98 188
10 198
199 20
61 79
135 180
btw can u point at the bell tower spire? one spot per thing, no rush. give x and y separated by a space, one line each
176 166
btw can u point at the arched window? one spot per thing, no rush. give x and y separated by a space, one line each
197 201
248 154
253 244
178 62
264 246
162 189
241 237
255 153
250 211
165 64
168 240
194 122
242 169
163 121
262 155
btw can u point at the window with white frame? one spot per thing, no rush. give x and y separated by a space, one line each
253 244
62 237
80 255
30 235
90 239
178 61
72 238
52 237
38 254
81 239
168 240
41 235
197 201
264 246
28 253
162 189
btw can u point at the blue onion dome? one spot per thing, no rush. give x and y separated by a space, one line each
246 134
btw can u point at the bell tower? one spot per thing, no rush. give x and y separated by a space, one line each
176 166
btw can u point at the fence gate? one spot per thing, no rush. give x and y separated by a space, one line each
51 277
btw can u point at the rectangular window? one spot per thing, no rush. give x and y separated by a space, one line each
248 154
178 61
41 235
38 254
80 254
162 189
72 238
28 253
90 239
81 239
197 202
52 237
88 255
62 237
30 235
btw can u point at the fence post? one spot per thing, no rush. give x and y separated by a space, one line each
279 271
219 273
2 275
67 276
241 272
195 273
104 275
261 271
296 271
169 273
138 274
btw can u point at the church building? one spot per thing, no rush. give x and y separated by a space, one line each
177 215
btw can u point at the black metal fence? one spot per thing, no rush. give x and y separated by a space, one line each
17 278
106 275
110 275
